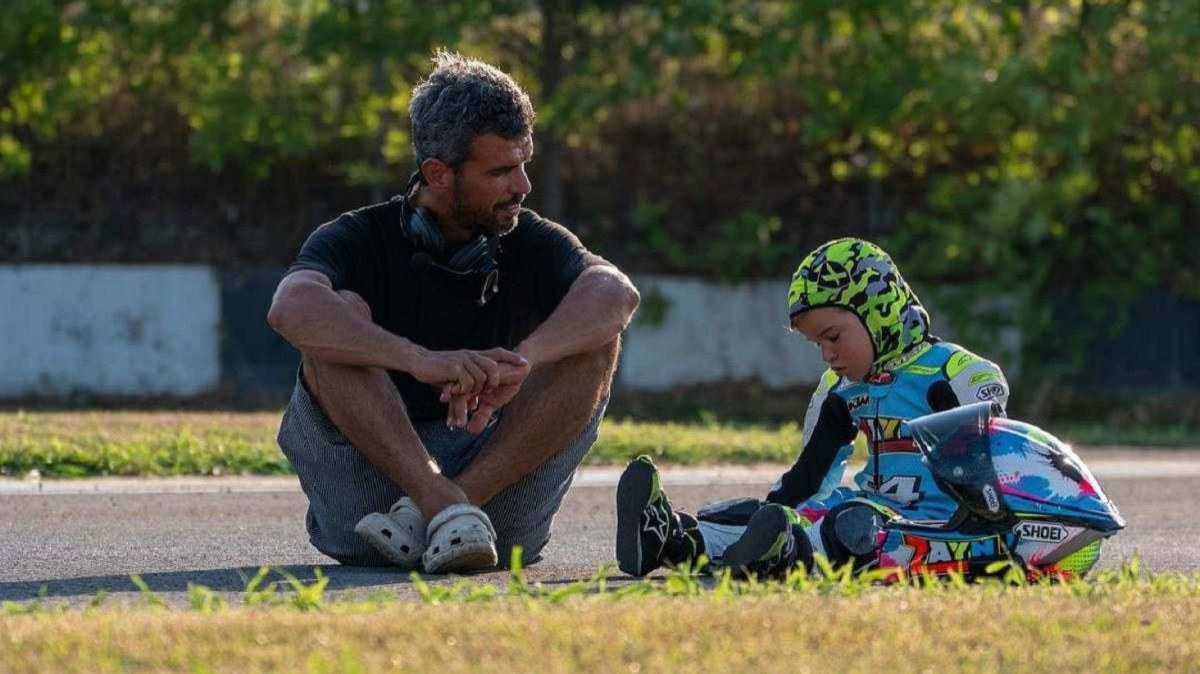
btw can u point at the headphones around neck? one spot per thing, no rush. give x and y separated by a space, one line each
476 257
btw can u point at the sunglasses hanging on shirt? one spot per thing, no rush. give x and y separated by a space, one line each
475 259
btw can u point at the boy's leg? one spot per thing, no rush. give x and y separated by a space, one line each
778 538
773 543
723 522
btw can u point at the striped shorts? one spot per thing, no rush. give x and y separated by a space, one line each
342 486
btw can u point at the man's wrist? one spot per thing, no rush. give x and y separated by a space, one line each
530 350
406 355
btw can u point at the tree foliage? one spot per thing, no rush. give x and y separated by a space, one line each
1047 149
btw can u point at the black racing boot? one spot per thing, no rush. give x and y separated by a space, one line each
650 533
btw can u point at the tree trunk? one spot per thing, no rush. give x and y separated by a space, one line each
550 141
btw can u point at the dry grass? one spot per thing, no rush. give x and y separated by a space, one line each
831 620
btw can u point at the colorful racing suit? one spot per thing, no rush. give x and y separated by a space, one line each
934 376
912 374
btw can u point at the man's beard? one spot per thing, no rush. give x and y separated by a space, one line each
481 221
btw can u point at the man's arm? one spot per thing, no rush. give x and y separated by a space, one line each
324 324
308 313
596 308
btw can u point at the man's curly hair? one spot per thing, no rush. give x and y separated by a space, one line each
460 100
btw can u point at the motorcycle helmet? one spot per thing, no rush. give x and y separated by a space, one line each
1001 469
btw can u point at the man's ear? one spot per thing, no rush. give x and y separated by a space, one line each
437 174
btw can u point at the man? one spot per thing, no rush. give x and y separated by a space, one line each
457 348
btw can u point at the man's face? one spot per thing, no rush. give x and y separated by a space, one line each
491 184
845 345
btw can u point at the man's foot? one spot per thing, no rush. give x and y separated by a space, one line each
461 539
649 531
398 534
773 544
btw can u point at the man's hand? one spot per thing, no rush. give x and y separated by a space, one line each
465 372
482 406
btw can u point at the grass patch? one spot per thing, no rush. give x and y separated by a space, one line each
79 444
1119 621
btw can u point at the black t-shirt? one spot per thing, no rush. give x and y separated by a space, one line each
366 251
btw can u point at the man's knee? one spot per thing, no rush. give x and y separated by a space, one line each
329 383
314 372
596 366
604 358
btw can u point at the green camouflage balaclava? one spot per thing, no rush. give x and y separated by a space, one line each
857 275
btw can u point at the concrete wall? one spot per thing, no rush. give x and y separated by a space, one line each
111 330
695 332
182 331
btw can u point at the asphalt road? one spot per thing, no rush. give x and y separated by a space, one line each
70 540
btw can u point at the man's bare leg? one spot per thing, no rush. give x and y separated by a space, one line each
366 407
552 408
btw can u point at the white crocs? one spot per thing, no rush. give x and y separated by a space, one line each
398 534
461 539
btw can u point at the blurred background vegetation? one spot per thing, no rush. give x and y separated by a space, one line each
1043 150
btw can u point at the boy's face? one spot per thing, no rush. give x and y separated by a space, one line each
845 345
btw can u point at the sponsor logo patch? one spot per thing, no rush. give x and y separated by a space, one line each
832 275
923 551
882 379
857 402
921 370
654 522
881 428
990 392
886 434
990 497
980 377
1044 532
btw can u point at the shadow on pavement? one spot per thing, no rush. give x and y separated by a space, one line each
220 580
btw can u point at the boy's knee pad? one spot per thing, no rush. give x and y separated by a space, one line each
850 531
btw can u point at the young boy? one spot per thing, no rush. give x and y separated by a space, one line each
885 368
